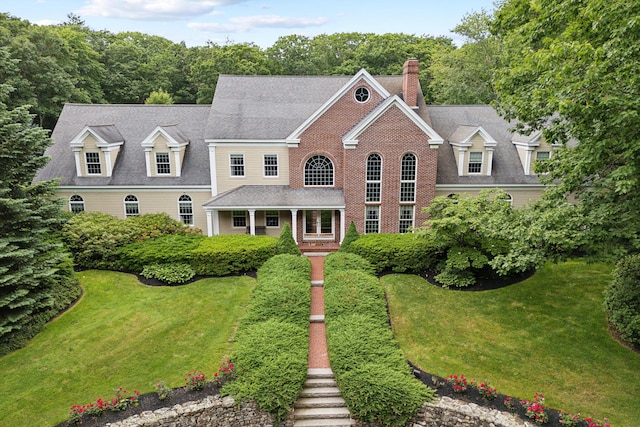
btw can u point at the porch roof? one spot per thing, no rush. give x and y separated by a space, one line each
277 197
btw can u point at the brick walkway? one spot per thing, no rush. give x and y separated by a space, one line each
318 354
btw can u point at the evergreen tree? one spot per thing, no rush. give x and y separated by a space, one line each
286 244
30 257
349 237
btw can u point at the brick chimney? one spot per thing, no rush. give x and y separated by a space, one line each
410 82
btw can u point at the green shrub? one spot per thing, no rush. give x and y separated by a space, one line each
94 238
171 248
395 252
622 299
350 236
169 273
284 297
375 393
354 292
232 253
281 264
270 359
286 244
344 261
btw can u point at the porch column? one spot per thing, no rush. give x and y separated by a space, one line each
252 222
216 222
294 224
342 225
209 223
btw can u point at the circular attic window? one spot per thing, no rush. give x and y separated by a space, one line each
361 94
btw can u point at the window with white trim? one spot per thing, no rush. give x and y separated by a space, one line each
239 219
272 218
131 206
318 172
185 209
541 156
408 178
406 218
93 163
163 164
508 198
237 164
361 94
76 203
374 178
475 162
372 219
270 165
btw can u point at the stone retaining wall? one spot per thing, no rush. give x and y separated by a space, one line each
215 411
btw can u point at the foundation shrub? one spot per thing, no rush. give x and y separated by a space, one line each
344 261
350 236
354 292
232 254
622 299
171 274
167 249
375 393
286 244
395 252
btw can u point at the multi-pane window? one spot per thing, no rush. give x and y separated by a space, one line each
372 219
475 162
93 163
237 164
76 203
163 165
270 165
408 178
318 171
542 156
406 218
185 209
131 207
272 218
239 218
374 178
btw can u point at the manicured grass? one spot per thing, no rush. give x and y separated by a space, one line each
547 334
121 333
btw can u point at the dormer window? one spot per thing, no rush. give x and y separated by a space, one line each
93 163
164 151
531 149
163 164
475 162
541 156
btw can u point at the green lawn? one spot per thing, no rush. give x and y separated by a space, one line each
121 333
547 334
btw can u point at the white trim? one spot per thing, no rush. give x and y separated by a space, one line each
150 140
264 166
131 188
481 163
475 187
360 75
244 166
213 170
350 140
245 142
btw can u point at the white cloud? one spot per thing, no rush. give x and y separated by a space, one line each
152 9
246 23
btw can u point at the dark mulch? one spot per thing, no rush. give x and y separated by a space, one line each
484 283
148 402
156 282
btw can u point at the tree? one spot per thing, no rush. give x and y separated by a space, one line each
572 70
464 75
286 244
159 97
35 279
350 236
622 299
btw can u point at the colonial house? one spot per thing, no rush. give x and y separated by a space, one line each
315 151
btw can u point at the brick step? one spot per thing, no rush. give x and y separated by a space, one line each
330 422
319 373
320 402
320 392
321 413
320 382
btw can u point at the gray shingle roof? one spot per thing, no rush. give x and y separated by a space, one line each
134 123
278 196
107 132
506 169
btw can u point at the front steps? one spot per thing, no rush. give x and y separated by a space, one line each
320 403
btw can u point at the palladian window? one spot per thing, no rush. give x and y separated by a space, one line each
318 172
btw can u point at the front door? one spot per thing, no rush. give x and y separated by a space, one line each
319 225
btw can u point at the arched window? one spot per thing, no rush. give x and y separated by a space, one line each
76 203
185 209
408 178
374 178
508 198
318 171
131 207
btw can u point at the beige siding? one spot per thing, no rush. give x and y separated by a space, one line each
226 222
149 201
253 166
90 146
520 196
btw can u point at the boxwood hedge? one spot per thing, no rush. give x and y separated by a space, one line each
232 253
172 248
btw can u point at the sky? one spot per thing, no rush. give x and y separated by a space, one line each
262 22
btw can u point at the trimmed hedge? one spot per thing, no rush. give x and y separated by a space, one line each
622 299
286 244
169 249
272 344
399 253
372 373
171 274
232 254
